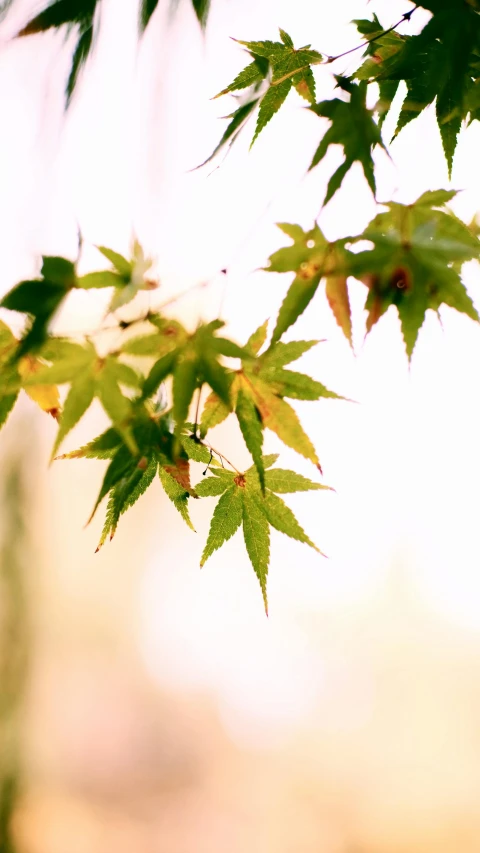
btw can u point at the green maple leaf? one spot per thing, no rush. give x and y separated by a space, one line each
312 258
191 360
147 8
258 397
89 376
129 475
439 64
414 263
177 494
70 14
275 69
40 300
125 494
243 503
239 118
128 277
201 9
353 127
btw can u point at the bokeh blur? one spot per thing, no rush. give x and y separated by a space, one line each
150 707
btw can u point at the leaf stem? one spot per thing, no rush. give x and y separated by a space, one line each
197 411
405 17
222 457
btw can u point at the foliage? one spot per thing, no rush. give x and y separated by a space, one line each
155 376
81 16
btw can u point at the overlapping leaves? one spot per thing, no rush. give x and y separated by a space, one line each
129 475
259 394
243 503
14 374
40 299
80 15
89 376
192 361
414 262
313 259
439 64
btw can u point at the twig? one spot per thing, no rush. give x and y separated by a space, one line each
405 17
197 411
222 457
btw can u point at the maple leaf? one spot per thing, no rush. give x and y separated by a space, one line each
125 494
439 64
192 360
129 475
312 258
40 300
243 503
128 277
353 127
201 9
257 396
89 376
275 68
414 262
69 14
15 373
147 8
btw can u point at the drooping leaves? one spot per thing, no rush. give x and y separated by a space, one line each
243 502
192 361
77 14
129 474
414 262
265 384
257 396
201 8
250 423
89 376
312 258
15 373
353 127
147 8
440 63
239 119
40 300
125 494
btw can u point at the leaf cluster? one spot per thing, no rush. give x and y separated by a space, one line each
84 18
147 387
441 64
414 263
152 383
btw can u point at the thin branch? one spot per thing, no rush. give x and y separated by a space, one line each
405 17
197 411
221 456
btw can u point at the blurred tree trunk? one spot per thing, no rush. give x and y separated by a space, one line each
14 632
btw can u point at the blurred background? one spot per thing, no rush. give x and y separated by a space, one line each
150 707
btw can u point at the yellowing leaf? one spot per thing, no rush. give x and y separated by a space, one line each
45 396
278 416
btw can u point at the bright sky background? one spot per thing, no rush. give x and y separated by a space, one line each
404 461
